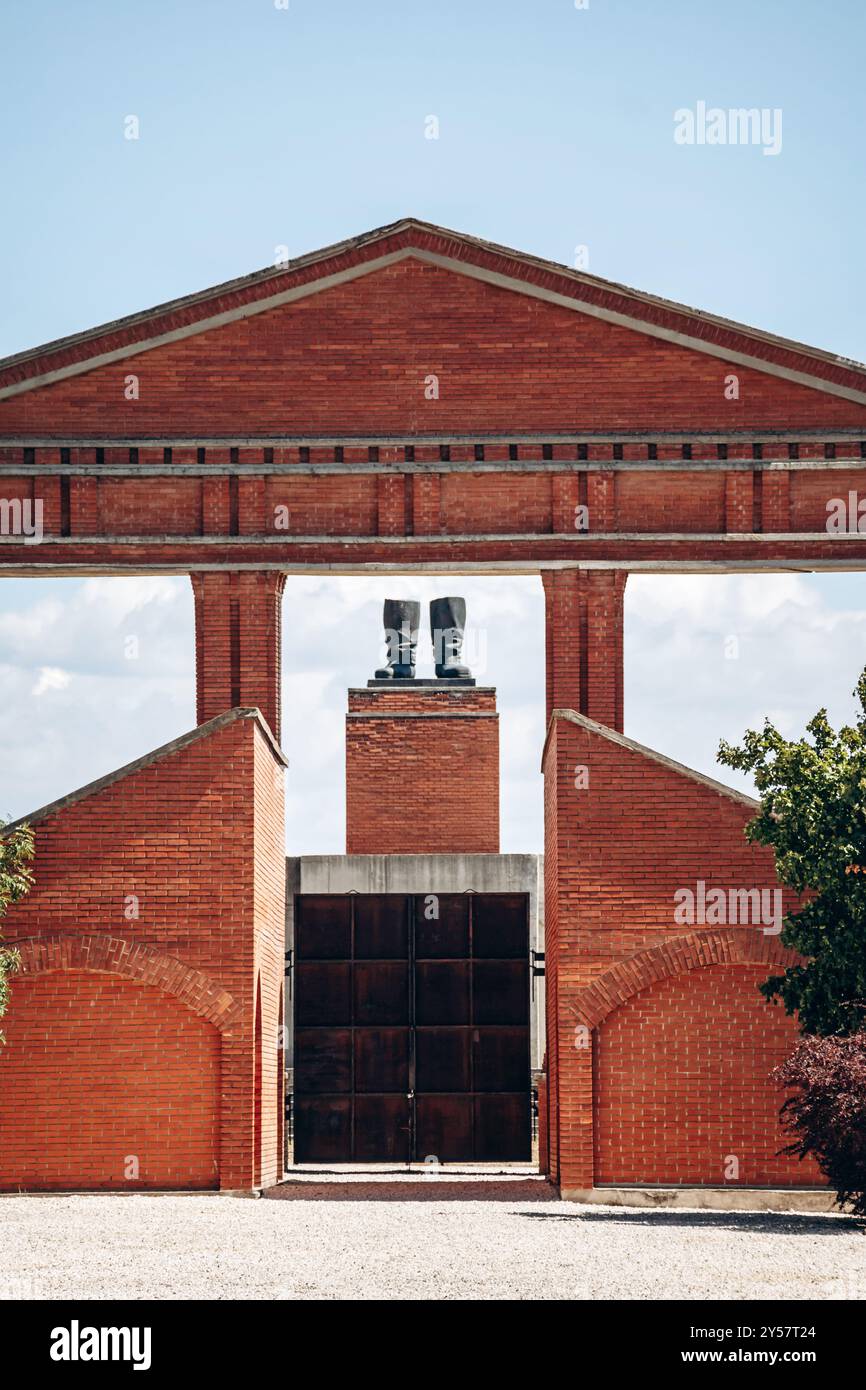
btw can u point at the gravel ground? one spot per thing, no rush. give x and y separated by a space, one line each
165 1247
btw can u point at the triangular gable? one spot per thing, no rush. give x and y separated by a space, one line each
631 745
493 265
156 755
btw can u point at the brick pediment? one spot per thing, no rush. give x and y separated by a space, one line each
416 329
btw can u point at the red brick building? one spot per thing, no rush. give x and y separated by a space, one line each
410 399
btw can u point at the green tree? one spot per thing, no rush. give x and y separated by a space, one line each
16 852
813 814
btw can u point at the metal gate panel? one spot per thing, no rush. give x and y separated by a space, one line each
412 1028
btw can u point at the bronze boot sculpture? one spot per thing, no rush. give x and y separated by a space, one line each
402 619
447 626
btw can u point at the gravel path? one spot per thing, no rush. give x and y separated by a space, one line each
222 1247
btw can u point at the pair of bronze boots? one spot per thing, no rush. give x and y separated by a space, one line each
402 619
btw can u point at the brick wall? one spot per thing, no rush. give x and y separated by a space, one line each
659 1045
160 896
422 771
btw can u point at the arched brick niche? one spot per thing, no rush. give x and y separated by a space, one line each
682 1093
109 1082
672 957
137 961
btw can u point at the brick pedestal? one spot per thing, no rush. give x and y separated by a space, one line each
422 769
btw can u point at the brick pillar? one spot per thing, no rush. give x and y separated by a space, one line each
584 642
237 642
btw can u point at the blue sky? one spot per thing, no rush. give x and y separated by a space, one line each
262 126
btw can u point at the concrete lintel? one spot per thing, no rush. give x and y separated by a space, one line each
449 538
529 568
404 467
415 873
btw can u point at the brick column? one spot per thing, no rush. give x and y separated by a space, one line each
237 642
584 642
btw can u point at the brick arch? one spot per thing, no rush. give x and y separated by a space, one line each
737 946
134 960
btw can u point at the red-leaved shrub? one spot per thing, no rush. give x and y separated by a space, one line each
826 1111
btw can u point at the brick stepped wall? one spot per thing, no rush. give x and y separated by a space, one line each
659 1044
134 1035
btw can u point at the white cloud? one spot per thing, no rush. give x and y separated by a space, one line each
65 643
801 642
51 678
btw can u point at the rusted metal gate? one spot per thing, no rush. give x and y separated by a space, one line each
411 1020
